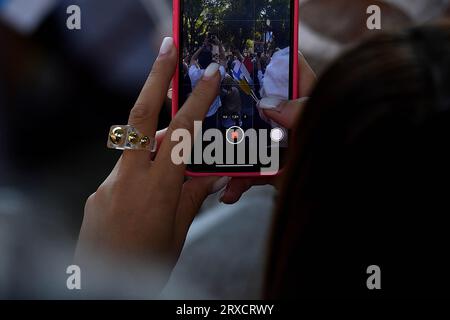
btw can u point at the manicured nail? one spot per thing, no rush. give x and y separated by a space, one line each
270 103
220 184
211 71
166 46
221 194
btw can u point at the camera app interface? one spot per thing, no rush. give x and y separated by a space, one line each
250 40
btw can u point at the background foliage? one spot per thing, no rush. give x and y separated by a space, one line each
236 22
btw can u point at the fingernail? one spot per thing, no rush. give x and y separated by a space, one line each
302 100
211 71
166 46
221 194
270 103
220 184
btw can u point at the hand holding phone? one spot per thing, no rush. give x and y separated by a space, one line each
133 219
287 115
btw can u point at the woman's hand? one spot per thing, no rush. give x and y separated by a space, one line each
285 114
144 208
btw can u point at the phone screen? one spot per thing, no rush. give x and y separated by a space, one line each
251 41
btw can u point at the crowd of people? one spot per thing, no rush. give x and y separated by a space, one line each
242 81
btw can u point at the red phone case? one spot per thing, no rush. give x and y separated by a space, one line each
295 91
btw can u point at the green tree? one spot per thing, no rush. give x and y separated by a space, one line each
234 21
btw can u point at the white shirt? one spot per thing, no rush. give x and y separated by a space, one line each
195 74
275 82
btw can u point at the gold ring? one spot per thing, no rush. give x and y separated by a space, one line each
129 138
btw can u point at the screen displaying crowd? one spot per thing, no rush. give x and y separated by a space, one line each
250 41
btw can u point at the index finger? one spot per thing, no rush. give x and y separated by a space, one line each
145 113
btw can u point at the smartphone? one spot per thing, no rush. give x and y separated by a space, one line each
255 42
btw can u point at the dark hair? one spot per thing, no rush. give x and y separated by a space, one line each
368 180
205 58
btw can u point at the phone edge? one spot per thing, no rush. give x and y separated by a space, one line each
175 88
